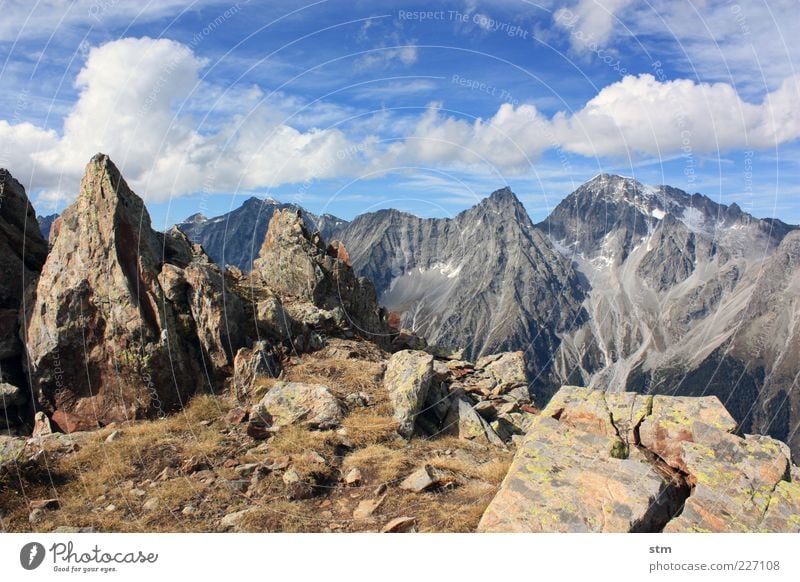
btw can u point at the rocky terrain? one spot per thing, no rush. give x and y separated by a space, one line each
151 390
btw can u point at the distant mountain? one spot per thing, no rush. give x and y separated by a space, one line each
486 280
688 297
236 237
623 287
45 223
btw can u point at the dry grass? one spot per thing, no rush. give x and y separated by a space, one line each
125 473
343 377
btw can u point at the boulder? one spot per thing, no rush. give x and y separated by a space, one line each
127 322
23 251
294 402
68 422
508 369
11 449
407 379
464 421
420 480
401 524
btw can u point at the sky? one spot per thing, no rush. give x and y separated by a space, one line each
347 106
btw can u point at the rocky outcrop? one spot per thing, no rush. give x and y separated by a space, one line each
126 322
22 253
294 263
625 462
407 380
295 402
236 237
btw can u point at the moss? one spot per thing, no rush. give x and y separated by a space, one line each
619 450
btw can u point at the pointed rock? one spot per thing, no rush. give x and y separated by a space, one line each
296 263
127 322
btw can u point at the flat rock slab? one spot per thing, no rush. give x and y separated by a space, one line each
564 479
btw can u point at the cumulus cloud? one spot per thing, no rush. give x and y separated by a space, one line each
137 102
637 116
145 102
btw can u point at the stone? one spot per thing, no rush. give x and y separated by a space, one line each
463 420
50 504
353 477
10 395
297 488
113 436
236 415
420 480
23 251
250 364
41 425
233 521
367 507
407 380
676 419
287 403
151 504
247 469
402 524
595 461
294 262
357 400
508 369
68 422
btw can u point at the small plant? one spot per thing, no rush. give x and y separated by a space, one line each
619 450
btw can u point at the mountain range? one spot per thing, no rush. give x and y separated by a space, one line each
622 287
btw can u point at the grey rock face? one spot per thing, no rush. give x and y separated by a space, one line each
46 224
236 237
486 280
695 304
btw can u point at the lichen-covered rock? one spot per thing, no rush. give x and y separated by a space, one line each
740 485
507 368
676 419
294 402
595 461
11 449
296 263
127 322
563 479
407 379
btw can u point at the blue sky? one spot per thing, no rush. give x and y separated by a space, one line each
346 107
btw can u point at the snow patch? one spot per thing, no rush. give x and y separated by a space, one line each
658 214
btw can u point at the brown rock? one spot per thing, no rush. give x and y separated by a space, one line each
250 364
236 415
121 310
69 423
353 477
45 504
294 262
367 507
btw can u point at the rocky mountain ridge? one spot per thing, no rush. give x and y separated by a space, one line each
291 401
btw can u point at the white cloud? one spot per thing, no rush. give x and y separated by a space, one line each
590 21
131 94
143 101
